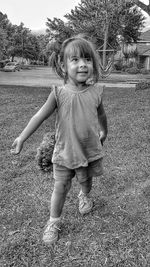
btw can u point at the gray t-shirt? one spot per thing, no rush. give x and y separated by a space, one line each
77 126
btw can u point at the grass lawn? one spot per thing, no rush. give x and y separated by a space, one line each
116 233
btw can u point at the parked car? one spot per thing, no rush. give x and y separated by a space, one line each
12 66
3 63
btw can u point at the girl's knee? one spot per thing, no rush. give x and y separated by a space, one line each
62 187
87 183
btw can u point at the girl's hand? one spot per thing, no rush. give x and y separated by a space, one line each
17 146
102 137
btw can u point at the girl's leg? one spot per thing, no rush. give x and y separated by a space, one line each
85 203
60 191
86 186
61 188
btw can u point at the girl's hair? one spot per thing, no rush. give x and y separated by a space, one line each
75 46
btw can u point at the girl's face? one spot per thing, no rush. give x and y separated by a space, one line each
79 69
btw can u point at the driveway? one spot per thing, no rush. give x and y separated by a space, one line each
44 76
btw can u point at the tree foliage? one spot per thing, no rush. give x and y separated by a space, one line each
57 32
93 18
5 33
19 41
121 17
43 41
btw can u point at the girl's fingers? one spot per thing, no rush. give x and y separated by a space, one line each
15 148
14 151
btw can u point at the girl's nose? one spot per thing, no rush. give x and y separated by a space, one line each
82 62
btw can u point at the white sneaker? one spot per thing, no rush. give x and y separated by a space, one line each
51 232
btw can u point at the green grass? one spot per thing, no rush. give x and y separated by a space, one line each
116 232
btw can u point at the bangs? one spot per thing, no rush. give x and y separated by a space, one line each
79 48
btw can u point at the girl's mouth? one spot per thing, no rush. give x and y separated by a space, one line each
82 72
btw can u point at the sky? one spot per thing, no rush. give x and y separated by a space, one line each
34 13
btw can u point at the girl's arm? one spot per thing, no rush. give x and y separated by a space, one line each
46 110
103 122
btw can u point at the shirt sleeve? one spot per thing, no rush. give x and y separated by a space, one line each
56 90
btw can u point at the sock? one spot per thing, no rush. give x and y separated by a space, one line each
82 193
54 219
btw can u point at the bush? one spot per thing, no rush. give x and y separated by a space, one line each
144 71
142 85
118 65
140 65
133 70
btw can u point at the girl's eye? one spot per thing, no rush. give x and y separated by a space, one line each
74 59
88 59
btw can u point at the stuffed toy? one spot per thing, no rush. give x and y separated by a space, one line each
45 152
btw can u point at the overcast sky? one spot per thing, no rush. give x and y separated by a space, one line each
34 13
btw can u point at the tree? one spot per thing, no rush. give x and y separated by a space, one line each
104 21
3 42
43 53
19 41
57 32
96 17
23 43
5 29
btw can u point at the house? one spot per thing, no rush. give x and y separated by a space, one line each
136 52
143 49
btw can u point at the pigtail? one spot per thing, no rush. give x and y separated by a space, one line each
54 62
57 58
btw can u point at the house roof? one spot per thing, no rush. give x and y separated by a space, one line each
147 53
143 49
143 45
145 36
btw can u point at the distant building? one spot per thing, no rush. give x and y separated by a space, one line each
143 49
137 53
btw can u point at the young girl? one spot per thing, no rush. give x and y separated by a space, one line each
81 128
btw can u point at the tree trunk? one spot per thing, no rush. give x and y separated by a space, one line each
105 44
